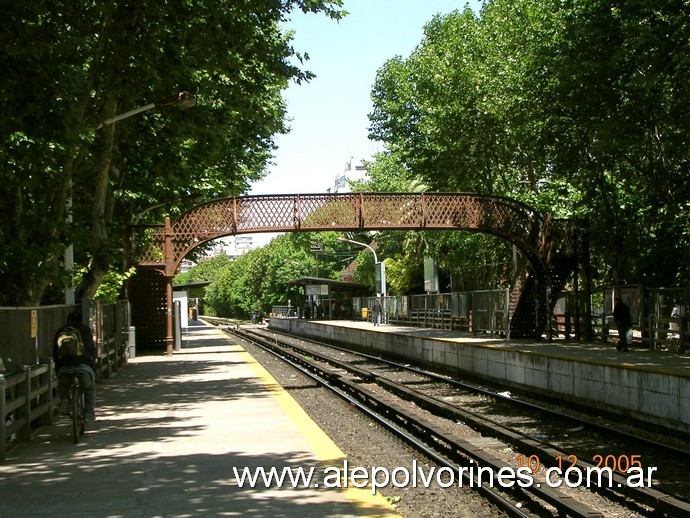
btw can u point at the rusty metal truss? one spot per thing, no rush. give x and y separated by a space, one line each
503 217
161 248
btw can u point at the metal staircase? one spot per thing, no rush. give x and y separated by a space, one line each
532 302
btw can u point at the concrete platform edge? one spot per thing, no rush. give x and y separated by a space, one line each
647 386
324 448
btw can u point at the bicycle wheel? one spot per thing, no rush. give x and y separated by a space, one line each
74 399
82 411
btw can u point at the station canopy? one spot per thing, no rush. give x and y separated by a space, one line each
333 285
193 289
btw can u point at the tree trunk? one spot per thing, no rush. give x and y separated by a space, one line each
100 249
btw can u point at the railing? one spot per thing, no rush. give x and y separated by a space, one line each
563 324
434 318
487 311
26 397
29 395
490 312
284 312
441 311
28 385
666 334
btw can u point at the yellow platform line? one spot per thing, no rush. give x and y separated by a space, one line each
324 448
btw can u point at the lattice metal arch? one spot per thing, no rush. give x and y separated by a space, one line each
503 217
500 216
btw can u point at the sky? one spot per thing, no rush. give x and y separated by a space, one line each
329 115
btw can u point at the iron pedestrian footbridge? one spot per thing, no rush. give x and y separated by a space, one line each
530 231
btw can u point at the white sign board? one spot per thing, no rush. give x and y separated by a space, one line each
317 289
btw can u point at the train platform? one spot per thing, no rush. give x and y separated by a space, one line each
173 437
649 386
637 357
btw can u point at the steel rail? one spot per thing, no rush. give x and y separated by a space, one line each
672 450
506 504
658 500
453 445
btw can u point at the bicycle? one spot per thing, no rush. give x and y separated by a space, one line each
76 400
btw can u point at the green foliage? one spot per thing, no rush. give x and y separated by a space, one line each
386 173
111 287
69 66
205 270
577 108
257 279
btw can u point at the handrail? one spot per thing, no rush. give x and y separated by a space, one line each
27 396
667 333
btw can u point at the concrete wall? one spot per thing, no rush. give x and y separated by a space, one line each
653 397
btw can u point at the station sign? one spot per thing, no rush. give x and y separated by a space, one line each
430 275
317 289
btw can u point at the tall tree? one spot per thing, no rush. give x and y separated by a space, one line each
257 279
70 66
617 95
577 108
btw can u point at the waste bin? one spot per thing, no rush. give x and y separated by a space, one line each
365 313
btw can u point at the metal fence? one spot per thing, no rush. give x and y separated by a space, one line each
479 311
667 318
284 312
28 332
490 312
659 315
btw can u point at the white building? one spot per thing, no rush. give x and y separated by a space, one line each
232 246
354 170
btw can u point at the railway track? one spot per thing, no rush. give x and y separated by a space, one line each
410 429
371 384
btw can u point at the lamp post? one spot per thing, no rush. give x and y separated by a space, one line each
136 220
377 265
182 101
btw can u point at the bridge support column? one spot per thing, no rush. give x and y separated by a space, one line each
169 274
169 312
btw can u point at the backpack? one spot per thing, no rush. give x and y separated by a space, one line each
70 343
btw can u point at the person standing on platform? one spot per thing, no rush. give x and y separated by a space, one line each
623 320
377 312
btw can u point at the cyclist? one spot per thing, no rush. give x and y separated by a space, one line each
86 361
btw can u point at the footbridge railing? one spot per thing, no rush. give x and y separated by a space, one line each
500 216
162 248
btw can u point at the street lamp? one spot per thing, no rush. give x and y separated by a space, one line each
136 220
302 266
346 240
182 101
379 268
